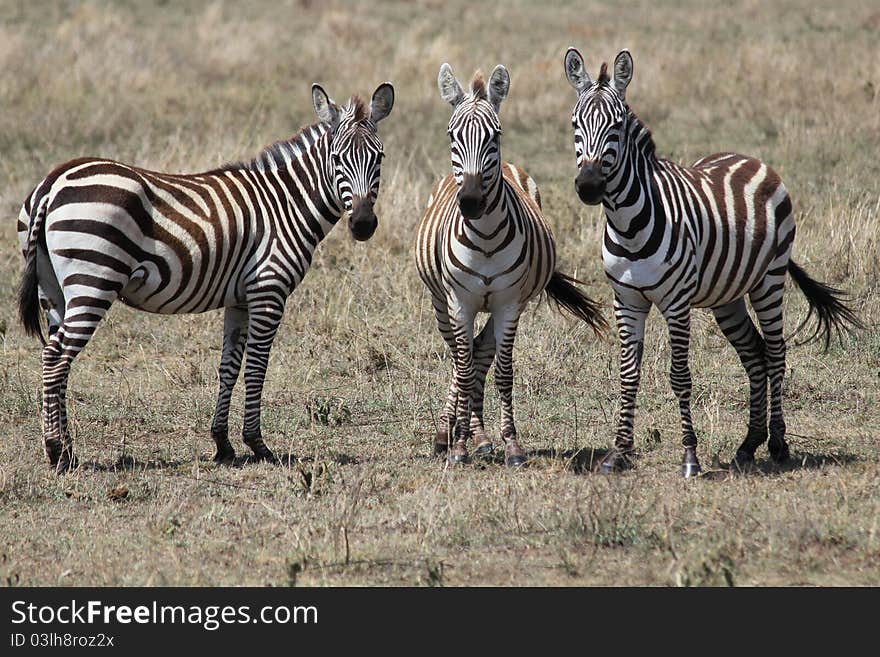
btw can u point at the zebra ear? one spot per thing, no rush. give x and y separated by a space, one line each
383 101
623 72
499 85
575 72
326 109
450 89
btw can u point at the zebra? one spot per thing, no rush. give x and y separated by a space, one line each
240 237
704 236
483 245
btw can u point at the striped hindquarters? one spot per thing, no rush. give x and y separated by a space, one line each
741 220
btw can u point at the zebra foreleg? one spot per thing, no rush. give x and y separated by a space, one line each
264 317
505 334
463 331
235 325
631 336
484 354
734 321
678 320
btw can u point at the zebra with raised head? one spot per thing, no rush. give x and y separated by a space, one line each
704 236
483 246
240 237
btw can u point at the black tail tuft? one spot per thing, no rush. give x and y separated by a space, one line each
28 292
825 301
561 289
29 302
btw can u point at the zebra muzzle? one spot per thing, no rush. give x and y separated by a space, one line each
471 201
590 183
362 221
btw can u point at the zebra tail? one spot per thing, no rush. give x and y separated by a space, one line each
28 296
561 289
833 316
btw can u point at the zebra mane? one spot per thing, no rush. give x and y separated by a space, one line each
478 85
279 153
603 74
358 108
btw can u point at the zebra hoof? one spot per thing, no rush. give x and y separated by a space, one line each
66 462
53 451
484 450
225 453
614 462
742 460
262 453
224 457
779 451
458 454
514 456
690 465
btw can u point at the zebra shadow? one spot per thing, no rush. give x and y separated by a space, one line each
768 467
127 463
288 460
585 460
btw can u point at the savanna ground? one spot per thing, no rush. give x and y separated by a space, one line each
358 371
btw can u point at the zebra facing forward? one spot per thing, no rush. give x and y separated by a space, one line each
483 246
240 238
678 237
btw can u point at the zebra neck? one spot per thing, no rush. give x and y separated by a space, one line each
636 219
307 182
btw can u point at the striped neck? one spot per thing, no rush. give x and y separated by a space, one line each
302 167
634 210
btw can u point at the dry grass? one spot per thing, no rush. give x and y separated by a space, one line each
358 370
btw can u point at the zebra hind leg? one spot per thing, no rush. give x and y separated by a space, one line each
767 302
235 323
67 341
734 321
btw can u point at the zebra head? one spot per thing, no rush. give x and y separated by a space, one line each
475 135
355 153
599 120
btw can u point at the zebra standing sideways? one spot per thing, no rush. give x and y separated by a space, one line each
678 237
483 246
240 238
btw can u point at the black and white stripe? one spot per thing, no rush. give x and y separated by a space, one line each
240 238
678 237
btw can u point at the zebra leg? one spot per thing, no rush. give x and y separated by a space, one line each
264 316
484 354
678 321
447 415
631 336
767 302
235 323
70 338
463 331
740 331
505 334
